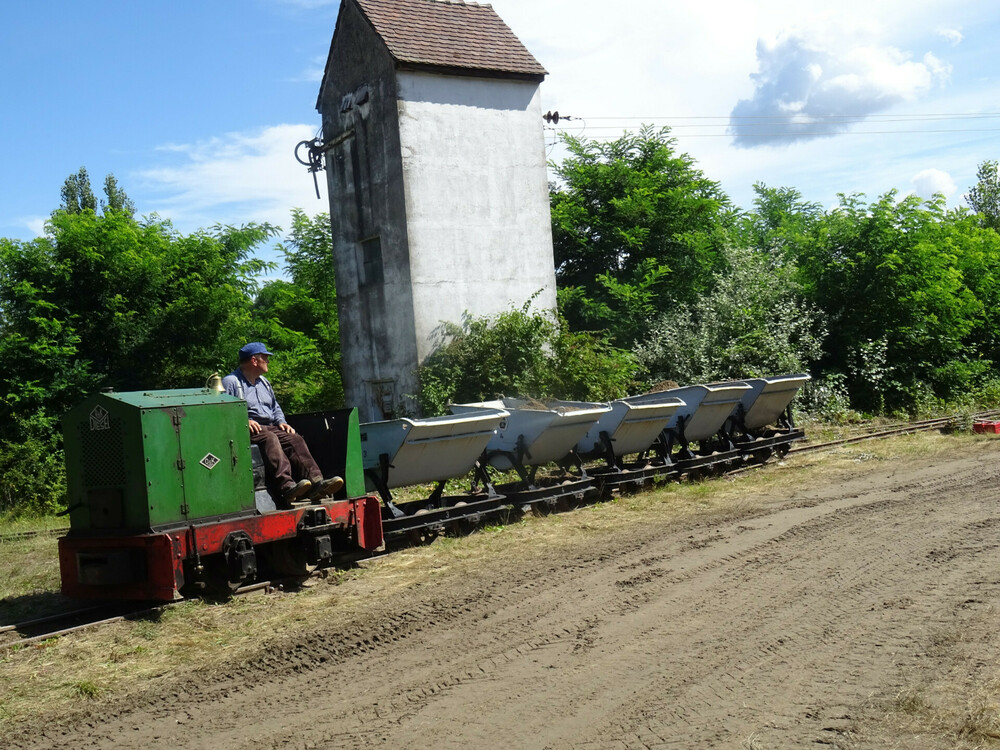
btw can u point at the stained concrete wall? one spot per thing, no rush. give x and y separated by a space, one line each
438 207
477 204
367 216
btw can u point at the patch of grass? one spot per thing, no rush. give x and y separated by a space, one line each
86 689
911 701
29 586
146 630
14 524
980 721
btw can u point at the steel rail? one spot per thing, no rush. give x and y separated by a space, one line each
910 427
15 536
66 617
63 617
862 430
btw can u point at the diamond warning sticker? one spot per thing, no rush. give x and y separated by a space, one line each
209 461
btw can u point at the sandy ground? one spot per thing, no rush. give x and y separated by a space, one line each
858 613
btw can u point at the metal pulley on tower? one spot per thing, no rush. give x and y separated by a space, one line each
314 163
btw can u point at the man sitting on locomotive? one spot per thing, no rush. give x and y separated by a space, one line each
286 455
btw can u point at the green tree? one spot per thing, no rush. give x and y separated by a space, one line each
299 318
984 197
636 229
147 307
117 199
907 287
77 195
105 300
779 222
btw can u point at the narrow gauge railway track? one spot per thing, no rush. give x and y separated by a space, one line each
30 632
41 629
37 630
17 536
901 429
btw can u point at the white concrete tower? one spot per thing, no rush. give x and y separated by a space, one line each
435 163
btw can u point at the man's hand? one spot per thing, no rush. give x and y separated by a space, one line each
286 427
254 427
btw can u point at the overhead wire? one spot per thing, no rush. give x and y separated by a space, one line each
750 126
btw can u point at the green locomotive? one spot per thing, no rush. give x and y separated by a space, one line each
165 497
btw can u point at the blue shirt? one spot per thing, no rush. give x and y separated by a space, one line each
262 406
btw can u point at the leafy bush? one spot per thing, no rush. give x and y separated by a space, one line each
32 469
988 394
520 353
912 294
752 323
826 399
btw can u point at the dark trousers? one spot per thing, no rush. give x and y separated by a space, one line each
286 457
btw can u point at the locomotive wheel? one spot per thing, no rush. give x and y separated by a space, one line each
287 557
216 578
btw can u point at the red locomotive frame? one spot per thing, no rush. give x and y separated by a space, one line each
165 554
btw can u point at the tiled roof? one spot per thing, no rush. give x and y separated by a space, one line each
450 34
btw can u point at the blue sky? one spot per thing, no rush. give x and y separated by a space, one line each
196 106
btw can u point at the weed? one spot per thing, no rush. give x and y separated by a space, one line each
981 721
147 629
86 689
911 701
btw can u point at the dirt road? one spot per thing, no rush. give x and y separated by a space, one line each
858 613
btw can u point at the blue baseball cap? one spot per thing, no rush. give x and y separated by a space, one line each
252 349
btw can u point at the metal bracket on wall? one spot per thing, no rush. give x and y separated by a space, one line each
316 149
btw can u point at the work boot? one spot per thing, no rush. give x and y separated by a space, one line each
291 491
325 487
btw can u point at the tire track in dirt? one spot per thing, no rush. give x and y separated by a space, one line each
771 629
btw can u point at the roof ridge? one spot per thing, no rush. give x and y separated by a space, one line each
459 2
440 34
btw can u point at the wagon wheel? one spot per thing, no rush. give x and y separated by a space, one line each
425 535
420 537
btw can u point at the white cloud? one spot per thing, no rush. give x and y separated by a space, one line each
954 37
233 179
939 69
826 88
35 224
929 182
